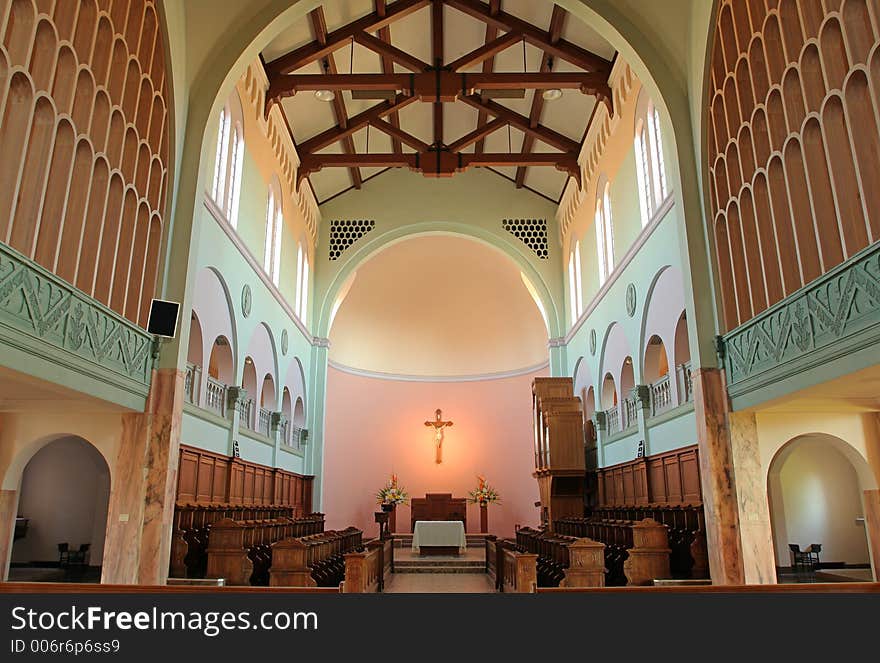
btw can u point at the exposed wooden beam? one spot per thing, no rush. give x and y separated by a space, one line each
436 163
485 52
342 37
477 134
399 134
319 25
488 66
573 53
437 55
428 85
542 133
355 123
392 52
557 23
384 34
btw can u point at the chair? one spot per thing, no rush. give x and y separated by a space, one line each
800 560
80 557
812 551
63 554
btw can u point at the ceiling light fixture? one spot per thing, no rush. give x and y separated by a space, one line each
552 94
325 95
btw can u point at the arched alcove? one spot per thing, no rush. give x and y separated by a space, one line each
814 486
267 393
299 414
249 384
220 365
194 359
656 364
64 495
609 392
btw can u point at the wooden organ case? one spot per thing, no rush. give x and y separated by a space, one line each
560 466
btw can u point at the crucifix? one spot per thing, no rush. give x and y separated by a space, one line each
438 425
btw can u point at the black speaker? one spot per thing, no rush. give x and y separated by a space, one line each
163 318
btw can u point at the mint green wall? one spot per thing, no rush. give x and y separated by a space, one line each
659 249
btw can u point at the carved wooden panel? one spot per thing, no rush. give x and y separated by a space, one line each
793 144
208 478
84 133
668 478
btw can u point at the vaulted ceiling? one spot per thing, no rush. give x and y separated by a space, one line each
451 84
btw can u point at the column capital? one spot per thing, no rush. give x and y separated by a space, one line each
320 342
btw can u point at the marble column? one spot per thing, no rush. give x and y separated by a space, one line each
872 528
8 511
138 542
756 536
717 478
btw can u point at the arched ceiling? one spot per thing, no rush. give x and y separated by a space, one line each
535 127
438 306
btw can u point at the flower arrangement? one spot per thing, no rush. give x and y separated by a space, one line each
392 493
484 494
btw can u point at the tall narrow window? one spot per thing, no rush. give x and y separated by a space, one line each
226 188
650 167
299 278
646 201
657 153
604 235
274 224
304 296
572 289
220 163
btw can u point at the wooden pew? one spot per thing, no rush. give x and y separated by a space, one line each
366 570
193 522
316 560
564 560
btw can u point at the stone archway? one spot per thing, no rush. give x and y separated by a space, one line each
815 486
62 513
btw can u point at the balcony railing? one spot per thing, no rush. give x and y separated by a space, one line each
264 421
630 412
215 396
191 383
685 384
246 412
661 395
612 418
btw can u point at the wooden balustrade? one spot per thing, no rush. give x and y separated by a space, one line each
365 571
317 560
193 522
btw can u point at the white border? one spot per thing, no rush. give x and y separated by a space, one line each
484 377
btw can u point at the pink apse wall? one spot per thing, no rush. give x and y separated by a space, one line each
376 426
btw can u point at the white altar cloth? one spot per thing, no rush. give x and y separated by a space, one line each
449 533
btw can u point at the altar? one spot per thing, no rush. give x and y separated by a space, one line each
439 537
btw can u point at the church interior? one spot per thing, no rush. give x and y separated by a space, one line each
421 296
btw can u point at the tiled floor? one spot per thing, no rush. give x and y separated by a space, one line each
439 583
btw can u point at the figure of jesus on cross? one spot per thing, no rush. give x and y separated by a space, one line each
438 425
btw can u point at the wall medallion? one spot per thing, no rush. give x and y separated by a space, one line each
246 300
592 341
630 300
284 341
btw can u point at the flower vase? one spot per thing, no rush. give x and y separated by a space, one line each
484 518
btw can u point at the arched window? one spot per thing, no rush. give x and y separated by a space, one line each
302 284
575 282
230 153
605 235
274 223
650 168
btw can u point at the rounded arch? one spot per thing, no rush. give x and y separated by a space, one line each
663 307
649 59
64 491
267 393
213 306
286 404
12 477
614 350
196 350
609 397
815 483
299 413
374 245
295 379
261 350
